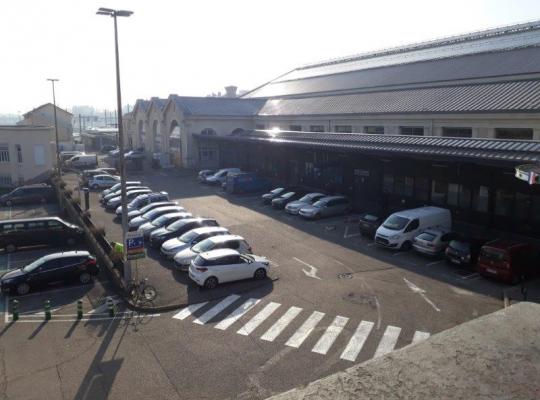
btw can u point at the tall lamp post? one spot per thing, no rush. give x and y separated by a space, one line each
120 13
55 126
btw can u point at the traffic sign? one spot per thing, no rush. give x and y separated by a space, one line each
135 245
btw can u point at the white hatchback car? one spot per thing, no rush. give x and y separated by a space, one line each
226 265
190 238
103 181
183 258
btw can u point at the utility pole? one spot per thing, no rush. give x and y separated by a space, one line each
55 126
80 125
105 117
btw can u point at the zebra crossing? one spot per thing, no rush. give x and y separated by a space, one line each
285 317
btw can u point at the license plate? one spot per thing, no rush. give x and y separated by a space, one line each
492 271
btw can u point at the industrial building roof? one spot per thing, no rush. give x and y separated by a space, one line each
479 150
517 96
218 106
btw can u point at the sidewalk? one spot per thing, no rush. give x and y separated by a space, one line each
496 356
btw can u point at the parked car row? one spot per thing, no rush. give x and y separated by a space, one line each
197 245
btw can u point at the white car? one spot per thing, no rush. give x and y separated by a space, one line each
167 219
152 215
190 238
137 213
103 181
183 258
116 187
226 265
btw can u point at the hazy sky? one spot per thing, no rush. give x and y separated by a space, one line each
195 47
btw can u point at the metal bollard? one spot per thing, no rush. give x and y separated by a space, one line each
47 310
79 309
15 309
110 306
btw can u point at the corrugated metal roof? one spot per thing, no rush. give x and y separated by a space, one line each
520 96
218 106
477 66
515 151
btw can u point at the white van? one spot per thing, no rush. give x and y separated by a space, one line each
400 228
83 160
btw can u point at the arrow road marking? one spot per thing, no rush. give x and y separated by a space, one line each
312 273
422 293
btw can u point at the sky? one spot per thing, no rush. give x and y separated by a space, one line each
196 47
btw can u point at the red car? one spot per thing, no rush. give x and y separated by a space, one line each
508 260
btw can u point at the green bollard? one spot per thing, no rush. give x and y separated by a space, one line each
110 306
15 310
79 309
47 310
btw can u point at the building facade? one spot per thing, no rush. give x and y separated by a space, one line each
44 116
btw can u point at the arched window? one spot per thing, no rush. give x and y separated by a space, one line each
208 132
141 133
157 136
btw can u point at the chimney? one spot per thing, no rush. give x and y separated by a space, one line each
230 91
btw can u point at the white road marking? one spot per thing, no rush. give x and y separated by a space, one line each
207 316
329 337
312 273
102 308
357 341
434 263
6 309
422 293
397 253
236 314
305 330
388 341
281 324
420 336
186 312
88 319
258 319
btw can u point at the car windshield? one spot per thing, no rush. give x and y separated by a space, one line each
306 199
493 254
370 218
151 214
188 236
205 245
288 195
176 225
458 245
32 266
161 220
396 223
277 190
428 237
319 203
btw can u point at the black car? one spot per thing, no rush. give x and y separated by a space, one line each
56 267
368 223
281 201
29 194
15 233
178 228
464 251
268 197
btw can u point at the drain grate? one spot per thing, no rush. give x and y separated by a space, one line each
345 275
465 273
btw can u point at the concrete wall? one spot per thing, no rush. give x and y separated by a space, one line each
44 116
37 150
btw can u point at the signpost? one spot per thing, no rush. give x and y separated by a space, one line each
135 245
529 173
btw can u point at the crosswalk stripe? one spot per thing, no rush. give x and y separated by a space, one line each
388 341
281 324
219 307
328 338
305 330
186 312
357 341
258 319
236 314
419 336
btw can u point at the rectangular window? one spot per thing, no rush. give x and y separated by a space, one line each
421 189
343 128
296 128
411 130
259 127
4 153
19 153
480 199
309 168
457 132
453 194
5 181
523 202
439 192
464 197
316 128
514 133
503 202
39 154
376 130
388 183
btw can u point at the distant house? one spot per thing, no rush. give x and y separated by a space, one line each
44 116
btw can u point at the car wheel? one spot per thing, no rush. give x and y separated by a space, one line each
71 241
10 248
23 289
406 245
211 283
95 186
260 274
85 277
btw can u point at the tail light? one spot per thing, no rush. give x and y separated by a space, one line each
90 261
249 250
202 269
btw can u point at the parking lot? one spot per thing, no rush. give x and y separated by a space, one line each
333 298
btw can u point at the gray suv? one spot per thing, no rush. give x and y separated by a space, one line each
327 207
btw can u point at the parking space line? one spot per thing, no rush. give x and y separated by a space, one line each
329 337
371 244
419 336
87 319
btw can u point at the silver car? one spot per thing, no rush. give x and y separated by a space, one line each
116 187
294 206
190 238
136 213
152 215
433 241
148 227
327 207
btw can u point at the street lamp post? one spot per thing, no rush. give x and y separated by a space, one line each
55 126
114 14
